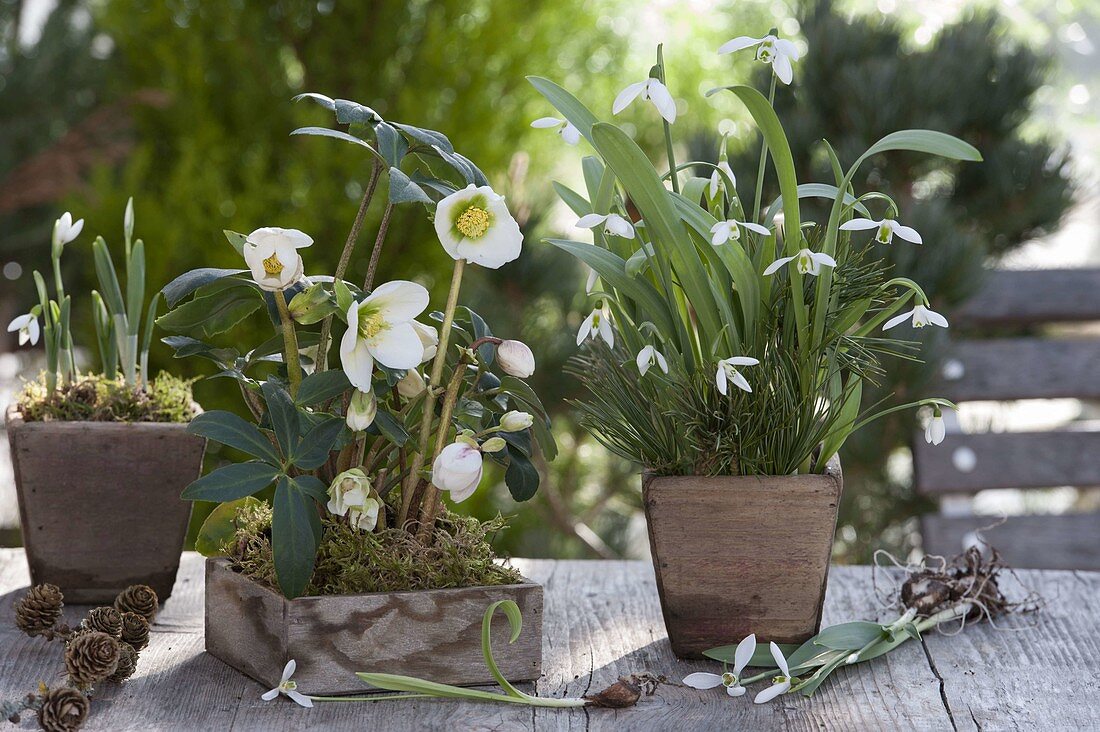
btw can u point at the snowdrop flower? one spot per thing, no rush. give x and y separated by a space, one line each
429 338
515 421
727 373
272 255
613 224
349 495
781 684
921 316
474 224
806 262
717 182
362 410
731 679
288 688
651 90
381 327
936 430
568 132
647 357
457 470
729 230
28 328
598 323
64 230
778 52
886 230
516 359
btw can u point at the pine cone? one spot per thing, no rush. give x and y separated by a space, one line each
140 599
105 620
39 609
127 663
63 710
135 630
91 657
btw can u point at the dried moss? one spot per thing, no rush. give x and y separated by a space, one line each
96 398
350 561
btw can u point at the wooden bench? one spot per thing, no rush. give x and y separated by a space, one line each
1010 353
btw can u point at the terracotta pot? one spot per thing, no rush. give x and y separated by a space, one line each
736 555
430 634
99 502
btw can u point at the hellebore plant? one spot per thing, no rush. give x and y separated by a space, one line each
117 314
408 412
721 292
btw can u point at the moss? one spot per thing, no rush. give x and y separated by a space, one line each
350 561
96 398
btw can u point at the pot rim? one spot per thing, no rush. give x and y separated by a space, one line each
14 418
832 470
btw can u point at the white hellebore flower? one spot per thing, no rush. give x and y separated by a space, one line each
64 230
778 52
568 132
936 430
288 688
349 495
725 231
474 224
647 357
516 359
613 224
651 90
429 338
516 421
806 262
731 679
886 230
457 470
921 316
780 684
362 410
381 327
598 323
28 328
272 255
727 373
717 181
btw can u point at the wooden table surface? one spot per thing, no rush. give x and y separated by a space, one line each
602 620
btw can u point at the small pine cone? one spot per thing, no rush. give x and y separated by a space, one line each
135 630
39 609
140 599
91 657
62 710
127 663
105 620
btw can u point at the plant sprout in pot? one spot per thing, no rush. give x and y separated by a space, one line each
728 346
364 415
108 447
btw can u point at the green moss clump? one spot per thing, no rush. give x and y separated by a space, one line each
96 398
350 562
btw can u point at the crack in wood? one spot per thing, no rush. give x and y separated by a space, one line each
943 688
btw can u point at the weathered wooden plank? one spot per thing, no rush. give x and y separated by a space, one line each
1067 541
1020 368
1021 297
968 463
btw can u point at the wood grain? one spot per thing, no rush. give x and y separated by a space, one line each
1066 541
1019 368
99 502
1020 297
434 634
603 620
735 555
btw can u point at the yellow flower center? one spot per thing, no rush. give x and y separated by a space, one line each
372 325
474 222
272 265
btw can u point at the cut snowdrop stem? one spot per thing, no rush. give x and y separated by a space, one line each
935 402
290 344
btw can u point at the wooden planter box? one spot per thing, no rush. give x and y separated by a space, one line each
736 555
430 634
99 503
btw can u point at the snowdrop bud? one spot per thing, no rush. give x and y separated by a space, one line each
308 306
457 470
349 489
362 410
128 220
493 444
516 421
516 359
411 385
